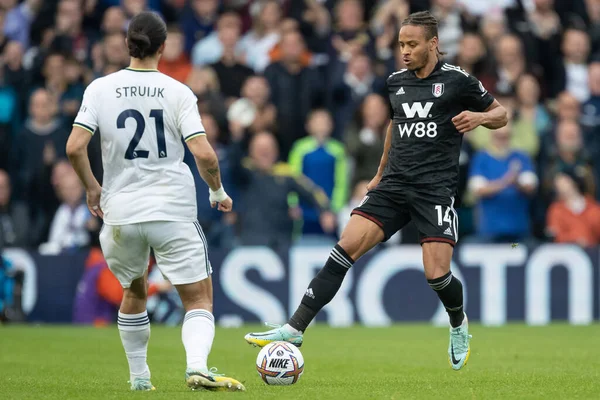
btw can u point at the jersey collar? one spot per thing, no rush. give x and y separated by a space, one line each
141 69
437 67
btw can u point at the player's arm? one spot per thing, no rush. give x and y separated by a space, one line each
494 117
483 109
384 157
192 131
208 166
78 156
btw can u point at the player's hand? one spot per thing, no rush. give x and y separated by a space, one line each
328 221
93 202
466 121
224 206
374 182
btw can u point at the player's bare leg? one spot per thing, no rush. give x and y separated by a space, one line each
359 236
134 329
437 257
197 334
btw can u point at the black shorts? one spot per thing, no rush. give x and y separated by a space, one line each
434 216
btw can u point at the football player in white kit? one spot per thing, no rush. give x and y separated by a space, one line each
148 200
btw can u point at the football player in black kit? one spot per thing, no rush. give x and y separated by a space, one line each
432 105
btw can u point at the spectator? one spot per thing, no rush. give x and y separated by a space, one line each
502 180
287 77
573 217
350 87
350 36
113 21
322 160
68 97
531 120
205 85
569 71
591 108
511 65
14 217
197 21
314 21
14 73
471 54
265 217
69 227
229 68
18 21
210 49
70 37
569 154
291 25
449 17
174 62
42 140
364 140
115 50
567 107
493 27
256 89
264 35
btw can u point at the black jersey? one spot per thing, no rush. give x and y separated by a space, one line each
425 143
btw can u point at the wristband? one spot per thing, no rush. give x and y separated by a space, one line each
217 195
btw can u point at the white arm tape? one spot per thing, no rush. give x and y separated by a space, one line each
217 195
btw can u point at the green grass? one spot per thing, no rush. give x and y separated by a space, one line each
401 362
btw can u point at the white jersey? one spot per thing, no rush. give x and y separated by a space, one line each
142 115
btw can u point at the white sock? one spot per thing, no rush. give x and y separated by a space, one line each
135 334
197 334
292 330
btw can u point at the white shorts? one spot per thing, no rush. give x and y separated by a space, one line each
179 248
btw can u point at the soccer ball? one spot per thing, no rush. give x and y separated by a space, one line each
280 363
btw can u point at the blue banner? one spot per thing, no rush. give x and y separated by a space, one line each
251 284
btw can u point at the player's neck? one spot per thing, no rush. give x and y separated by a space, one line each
428 68
145 64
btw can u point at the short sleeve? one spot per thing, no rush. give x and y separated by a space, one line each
188 120
388 101
87 117
475 97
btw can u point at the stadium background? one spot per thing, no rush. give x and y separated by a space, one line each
312 73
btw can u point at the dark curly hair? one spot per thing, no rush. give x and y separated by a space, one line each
146 33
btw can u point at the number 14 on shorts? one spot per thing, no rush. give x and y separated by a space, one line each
446 215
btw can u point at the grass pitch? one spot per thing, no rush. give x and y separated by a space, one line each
400 362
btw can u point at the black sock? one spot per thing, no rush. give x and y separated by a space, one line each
449 290
322 288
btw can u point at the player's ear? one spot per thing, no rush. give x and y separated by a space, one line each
433 43
161 49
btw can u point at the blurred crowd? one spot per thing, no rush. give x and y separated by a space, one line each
293 98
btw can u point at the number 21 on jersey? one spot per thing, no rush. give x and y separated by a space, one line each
131 153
